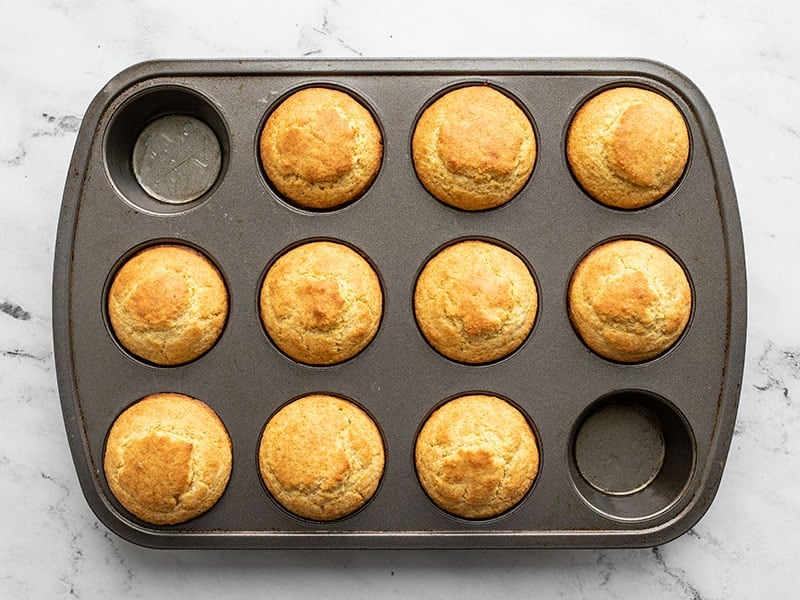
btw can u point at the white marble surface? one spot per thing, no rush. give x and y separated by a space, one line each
56 54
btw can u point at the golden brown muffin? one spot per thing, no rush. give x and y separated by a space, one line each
628 147
167 458
475 302
474 148
321 148
168 304
629 300
321 457
321 303
476 456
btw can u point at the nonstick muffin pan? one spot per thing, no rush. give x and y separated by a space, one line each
631 454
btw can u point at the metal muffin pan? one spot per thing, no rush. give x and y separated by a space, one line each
631 455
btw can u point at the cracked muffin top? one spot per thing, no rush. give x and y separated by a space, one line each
321 303
475 302
167 458
629 300
476 456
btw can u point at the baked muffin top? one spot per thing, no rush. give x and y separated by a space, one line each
167 458
321 148
167 304
321 457
321 303
476 456
628 147
475 301
474 148
629 300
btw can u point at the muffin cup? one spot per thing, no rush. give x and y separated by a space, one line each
632 455
174 175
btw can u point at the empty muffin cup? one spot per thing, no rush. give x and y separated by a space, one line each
632 455
632 443
166 148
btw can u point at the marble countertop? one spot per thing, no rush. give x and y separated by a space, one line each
55 56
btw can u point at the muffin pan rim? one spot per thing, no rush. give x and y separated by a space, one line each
735 314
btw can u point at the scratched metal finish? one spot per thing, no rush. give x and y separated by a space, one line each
176 159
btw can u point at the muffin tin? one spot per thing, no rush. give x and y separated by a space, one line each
631 454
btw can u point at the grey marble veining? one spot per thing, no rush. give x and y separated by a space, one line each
54 56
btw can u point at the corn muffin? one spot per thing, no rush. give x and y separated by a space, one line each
321 457
475 302
167 458
321 303
476 456
167 304
629 300
320 148
474 148
627 147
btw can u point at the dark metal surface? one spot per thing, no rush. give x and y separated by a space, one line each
690 394
619 449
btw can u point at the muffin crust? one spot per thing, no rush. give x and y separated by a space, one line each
321 457
629 300
321 148
474 148
167 458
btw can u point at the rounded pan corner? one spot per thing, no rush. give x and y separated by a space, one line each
137 534
681 524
